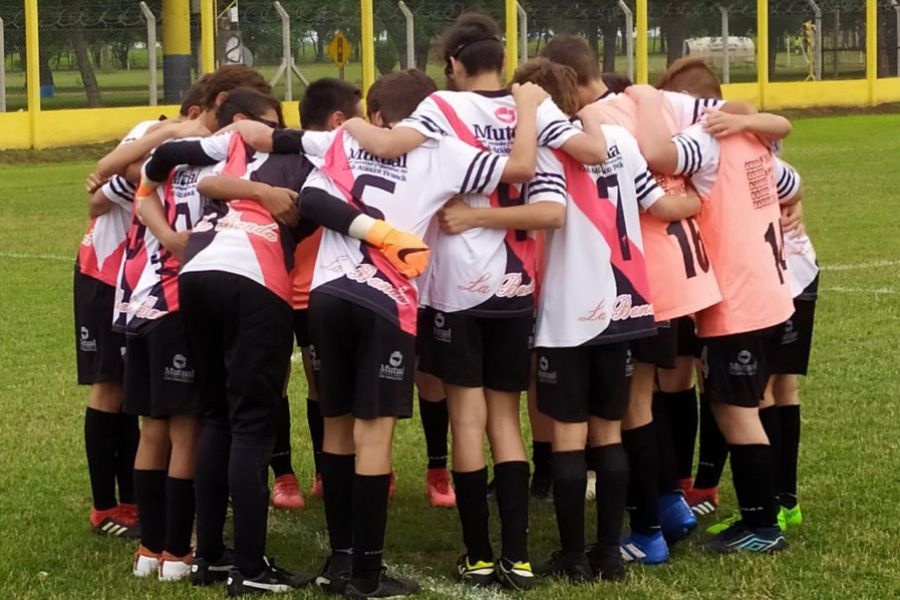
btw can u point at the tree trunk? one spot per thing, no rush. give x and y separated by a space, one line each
610 29
84 67
673 29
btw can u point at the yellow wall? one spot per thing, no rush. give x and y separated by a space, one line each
15 130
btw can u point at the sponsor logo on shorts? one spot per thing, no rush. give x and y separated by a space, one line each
746 364
439 332
544 374
314 359
789 334
704 362
85 343
394 369
178 371
629 364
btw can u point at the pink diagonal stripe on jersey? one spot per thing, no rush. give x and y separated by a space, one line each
602 215
337 167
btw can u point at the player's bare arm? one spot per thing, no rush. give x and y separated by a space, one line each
151 213
766 126
676 207
652 131
523 154
99 204
384 143
589 147
280 202
117 161
457 217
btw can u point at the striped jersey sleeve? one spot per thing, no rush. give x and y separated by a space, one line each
469 170
553 126
120 191
549 183
698 157
647 190
428 120
688 110
787 181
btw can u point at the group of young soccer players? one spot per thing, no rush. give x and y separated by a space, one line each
589 241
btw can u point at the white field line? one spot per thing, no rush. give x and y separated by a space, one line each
861 290
22 256
860 266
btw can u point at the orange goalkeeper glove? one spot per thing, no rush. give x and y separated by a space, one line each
406 251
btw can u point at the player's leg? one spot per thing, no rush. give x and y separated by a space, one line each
787 400
541 443
607 457
703 497
436 426
286 492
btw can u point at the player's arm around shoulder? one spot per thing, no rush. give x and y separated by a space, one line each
150 211
652 131
384 142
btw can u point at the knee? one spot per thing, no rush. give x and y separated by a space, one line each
106 397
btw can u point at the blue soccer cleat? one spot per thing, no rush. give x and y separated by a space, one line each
645 549
676 517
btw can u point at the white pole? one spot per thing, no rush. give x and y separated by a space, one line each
818 39
410 35
523 34
726 51
286 56
151 50
629 37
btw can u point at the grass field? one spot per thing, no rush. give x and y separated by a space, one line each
848 548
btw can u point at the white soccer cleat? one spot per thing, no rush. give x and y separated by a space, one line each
146 563
174 568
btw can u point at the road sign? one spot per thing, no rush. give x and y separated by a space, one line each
339 49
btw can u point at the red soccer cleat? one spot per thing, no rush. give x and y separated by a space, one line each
440 492
703 501
316 489
686 484
114 522
286 493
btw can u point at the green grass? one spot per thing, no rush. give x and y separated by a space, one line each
848 548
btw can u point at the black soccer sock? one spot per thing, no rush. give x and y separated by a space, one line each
643 481
100 441
681 408
370 498
754 484
511 484
281 455
668 481
128 440
150 493
179 515
541 458
436 424
316 430
337 482
713 449
771 422
611 465
471 501
211 487
790 450
248 481
569 485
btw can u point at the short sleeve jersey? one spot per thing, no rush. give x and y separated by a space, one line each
741 224
485 272
803 268
594 287
103 245
147 287
405 191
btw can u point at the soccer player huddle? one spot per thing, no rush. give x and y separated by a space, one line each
595 243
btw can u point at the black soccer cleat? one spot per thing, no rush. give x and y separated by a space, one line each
516 576
607 562
542 487
271 581
335 574
477 574
388 587
576 569
740 538
204 572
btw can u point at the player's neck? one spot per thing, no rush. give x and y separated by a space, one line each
483 82
594 90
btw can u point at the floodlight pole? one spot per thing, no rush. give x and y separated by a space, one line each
818 38
288 66
410 35
726 51
151 50
629 36
523 34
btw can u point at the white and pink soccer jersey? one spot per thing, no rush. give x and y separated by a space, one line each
687 110
407 192
103 245
484 271
594 286
803 268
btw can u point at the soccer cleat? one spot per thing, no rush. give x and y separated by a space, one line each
516 576
676 517
789 517
116 522
174 568
388 587
204 572
740 538
335 574
286 493
316 489
703 501
575 569
686 484
407 252
590 492
717 528
541 487
440 492
645 549
607 562
271 581
146 563
129 511
480 574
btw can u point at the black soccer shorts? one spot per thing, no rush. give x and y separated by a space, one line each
735 368
574 384
688 342
793 343
301 327
98 349
366 363
473 352
660 350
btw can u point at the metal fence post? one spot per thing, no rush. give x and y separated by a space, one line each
726 51
410 35
151 50
2 67
288 66
629 37
523 34
818 23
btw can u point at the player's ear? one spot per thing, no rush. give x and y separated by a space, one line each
221 98
336 119
194 112
377 119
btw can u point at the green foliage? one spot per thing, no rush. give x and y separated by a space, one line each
386 56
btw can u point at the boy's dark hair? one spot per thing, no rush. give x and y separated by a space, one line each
249 102
195 96
397 95
693 76
228 77
616 83
574 51
560 81
474 40
325 97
